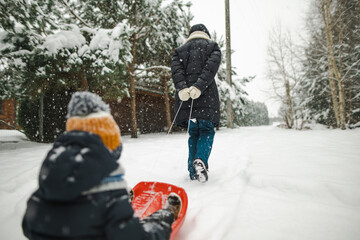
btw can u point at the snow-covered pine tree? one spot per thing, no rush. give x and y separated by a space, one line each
347 35
61 52
45 49
147 21
157 50
23 24
10 87
321 101
315 90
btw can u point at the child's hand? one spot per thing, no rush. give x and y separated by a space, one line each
194 92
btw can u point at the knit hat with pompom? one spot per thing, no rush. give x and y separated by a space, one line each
88 112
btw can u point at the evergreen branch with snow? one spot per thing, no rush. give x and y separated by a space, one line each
74 14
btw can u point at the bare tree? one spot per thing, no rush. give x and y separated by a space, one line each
283 71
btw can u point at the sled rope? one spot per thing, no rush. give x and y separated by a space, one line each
172 124
177 112
192 102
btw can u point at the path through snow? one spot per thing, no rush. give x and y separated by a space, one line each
264 182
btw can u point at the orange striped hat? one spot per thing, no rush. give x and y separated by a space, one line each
88 112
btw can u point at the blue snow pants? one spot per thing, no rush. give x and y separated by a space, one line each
200 143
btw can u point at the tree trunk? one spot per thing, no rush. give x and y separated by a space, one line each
340 79
334 97
167 102
229 112
84 82
349 114
41 117
286 120
331 58
15 113
131 70
289 105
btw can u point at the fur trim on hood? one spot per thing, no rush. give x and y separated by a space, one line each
198 34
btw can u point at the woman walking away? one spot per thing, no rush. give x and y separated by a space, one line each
194 66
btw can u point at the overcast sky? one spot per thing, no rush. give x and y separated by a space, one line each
251 21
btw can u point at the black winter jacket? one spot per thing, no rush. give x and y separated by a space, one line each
64 208
196 64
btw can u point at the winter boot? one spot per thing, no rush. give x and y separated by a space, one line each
174 204
200 169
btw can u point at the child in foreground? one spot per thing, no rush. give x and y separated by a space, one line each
82 193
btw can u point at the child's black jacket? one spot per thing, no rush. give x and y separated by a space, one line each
65 207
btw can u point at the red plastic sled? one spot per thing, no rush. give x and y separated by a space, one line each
151 196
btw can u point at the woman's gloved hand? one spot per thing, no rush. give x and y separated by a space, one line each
194 92
184 94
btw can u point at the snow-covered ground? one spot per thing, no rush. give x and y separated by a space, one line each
264 182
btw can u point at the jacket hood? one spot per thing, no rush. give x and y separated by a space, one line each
77 162
199 27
